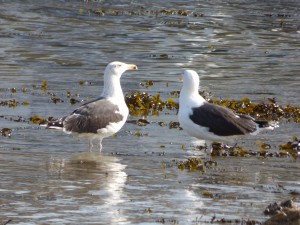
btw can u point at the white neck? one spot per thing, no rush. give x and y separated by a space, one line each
189 96
191 88
112 87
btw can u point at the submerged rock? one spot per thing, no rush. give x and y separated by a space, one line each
286 217
286 213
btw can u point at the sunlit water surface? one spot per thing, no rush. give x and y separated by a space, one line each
240 49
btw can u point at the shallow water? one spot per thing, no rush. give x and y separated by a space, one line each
239 49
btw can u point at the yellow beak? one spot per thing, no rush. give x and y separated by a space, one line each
132 67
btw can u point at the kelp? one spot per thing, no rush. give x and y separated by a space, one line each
288 149
141 12
196 164
6 132
292 147
36 119
174 125
191 164
265 110
147 83
12 103
144 104
56 100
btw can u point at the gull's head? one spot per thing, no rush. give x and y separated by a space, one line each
190 80
189 94
118 68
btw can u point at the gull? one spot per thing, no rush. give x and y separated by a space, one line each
102 117
210 122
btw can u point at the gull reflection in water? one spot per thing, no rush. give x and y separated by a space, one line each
102 179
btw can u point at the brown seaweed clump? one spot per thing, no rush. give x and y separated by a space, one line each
265 111
291 147
147 83
174 125
36 119
6 132
191 164
218 149
56 100
10 103
143 104
143 12
195 164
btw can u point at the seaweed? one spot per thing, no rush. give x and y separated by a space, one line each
191 164
142 12
289 149
142 122
174 125
134 133
292 147
147 83
73 101
162 124
264 111
148 210
56 100
207 194
161 56
167 221
44 86
37 119
6 132
144 104
10 103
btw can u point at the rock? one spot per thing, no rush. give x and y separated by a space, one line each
285 213
275 208
286 217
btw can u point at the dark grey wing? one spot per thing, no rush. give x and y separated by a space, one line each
92 116
59 122
222 121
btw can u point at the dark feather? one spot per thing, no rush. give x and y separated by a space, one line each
92 116
222 121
